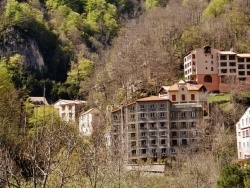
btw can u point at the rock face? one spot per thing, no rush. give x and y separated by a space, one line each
15 42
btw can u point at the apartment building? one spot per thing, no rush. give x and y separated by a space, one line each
201 67
88 120
155 128
217 70
69 110
243 135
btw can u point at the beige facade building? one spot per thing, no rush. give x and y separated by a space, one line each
201 67
88 120
183 92
69 109
155 128
217 70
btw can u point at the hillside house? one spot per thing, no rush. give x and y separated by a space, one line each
88 120
69 110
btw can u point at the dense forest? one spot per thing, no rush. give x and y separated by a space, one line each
107 52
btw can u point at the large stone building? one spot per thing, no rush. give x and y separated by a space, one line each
217 70
156 127
243 135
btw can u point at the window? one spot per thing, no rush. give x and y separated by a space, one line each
232 64
212 69
132 116
132 108
164 151
70 107
174 134
240 59
224 71
133 143
193 114
153 133
133 135
193 124
162 124
232 70
142 125
184 134
162 106
142 107
63 108
143 134
143 151
63 115
152 106
183 114
192 97
132 126
173 125
174 143
247 133
163 142
183 125
152 115
239 133
241 66
70 115
162 114
133 152
223 57
183 97
163 133
154 152
152 125
208 78
244 134
142 115
231 57
241 73
172 114
184 142
173 97
173 151
223 64
193 56
153 142
143 142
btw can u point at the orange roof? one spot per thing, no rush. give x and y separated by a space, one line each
190 87
151 98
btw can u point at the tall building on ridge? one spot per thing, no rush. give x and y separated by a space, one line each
217 70
201 67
